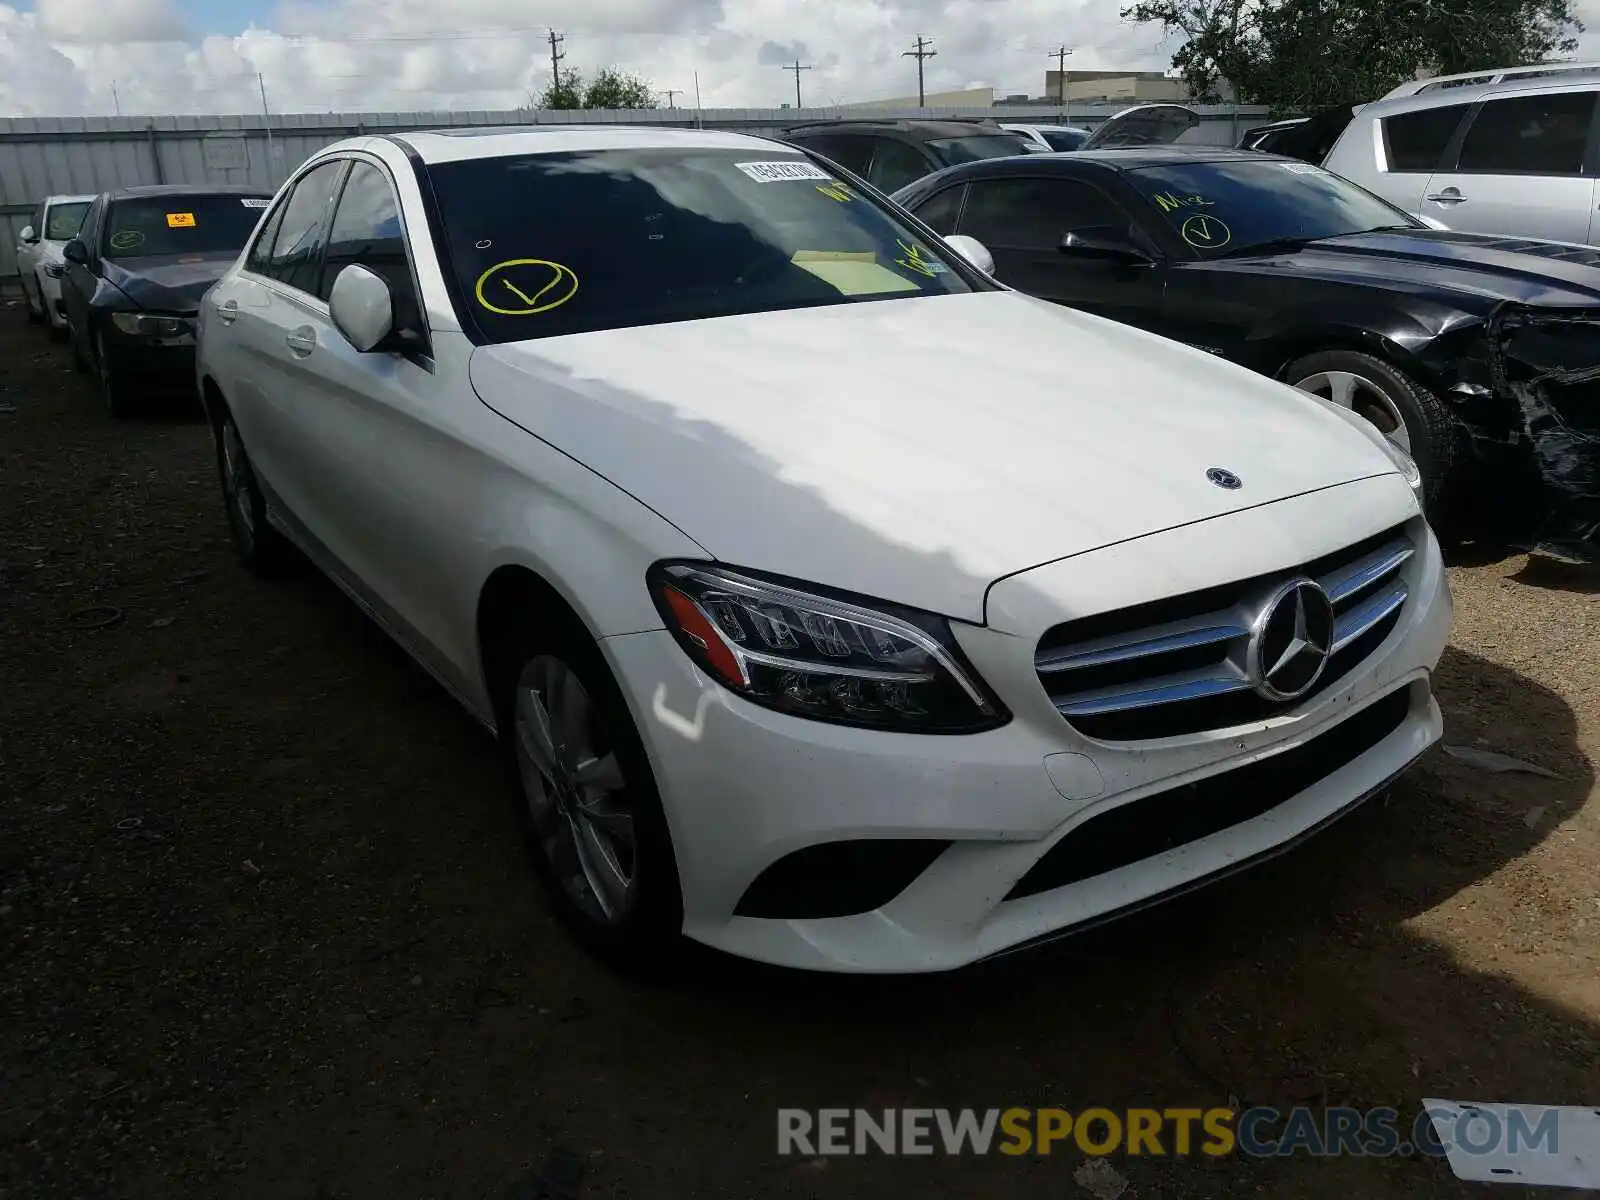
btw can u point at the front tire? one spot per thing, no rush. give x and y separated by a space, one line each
1404 411
36 312
262 549
115 394
587 803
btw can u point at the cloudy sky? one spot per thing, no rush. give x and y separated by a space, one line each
165 56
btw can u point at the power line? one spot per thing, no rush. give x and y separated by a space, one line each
920 54
796 67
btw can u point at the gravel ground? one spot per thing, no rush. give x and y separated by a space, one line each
266 930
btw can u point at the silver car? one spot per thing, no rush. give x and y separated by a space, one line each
1514 155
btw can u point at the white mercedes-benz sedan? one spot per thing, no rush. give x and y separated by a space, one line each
832 604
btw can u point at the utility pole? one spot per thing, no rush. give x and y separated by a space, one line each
267 114
697 109
670 93
116 100
1060 54
556 55
921 53
796 67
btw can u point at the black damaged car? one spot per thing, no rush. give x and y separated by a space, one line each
1478 355
134 277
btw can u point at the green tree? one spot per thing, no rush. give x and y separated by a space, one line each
611 88
1311 54
564 92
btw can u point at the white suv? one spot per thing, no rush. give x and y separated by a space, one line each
1516 156
834 605
39 263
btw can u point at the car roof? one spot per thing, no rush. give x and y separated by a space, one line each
1566 81
185 189
926 130
1131 158
487 141
1491 76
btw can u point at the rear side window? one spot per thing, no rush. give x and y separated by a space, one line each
897 164
1529 135
1416 141
940 211
296 256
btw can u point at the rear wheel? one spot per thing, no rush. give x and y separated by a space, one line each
1406 413
590 814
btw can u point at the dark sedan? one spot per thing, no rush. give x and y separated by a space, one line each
134 277
1455 345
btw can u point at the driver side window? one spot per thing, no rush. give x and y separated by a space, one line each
366 231
1033 214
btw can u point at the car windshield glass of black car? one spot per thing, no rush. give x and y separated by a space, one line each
147 226
552 244
1225 207
952 151
64 220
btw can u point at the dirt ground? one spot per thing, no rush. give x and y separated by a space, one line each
266 929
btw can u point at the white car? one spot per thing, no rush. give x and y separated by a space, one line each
1049 139
39 263
834 605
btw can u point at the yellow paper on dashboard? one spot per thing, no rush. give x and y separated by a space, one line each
852 273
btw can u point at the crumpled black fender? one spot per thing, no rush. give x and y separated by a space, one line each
1547 360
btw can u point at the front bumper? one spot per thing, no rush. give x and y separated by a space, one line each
164 362
50 295
744 787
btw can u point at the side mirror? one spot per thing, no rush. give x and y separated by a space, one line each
76 252
362 308
971 249
29 234
1104 242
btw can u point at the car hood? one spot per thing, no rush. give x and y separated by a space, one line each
1143 125
168 282
918 449
1487 267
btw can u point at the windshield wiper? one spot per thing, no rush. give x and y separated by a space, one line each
1270 246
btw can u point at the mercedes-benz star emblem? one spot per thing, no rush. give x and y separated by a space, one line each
1290 641
1224 478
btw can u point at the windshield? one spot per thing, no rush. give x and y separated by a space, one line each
952 151
1223 207
552 244
180 224
1064 139
63 221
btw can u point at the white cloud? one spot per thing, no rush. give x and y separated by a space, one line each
110 20
351 55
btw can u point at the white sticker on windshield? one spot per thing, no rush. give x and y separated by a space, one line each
252 202
784 171
1301 168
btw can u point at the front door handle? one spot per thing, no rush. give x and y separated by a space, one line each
228 312
302 341
1449 196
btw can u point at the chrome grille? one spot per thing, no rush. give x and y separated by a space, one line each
1179 666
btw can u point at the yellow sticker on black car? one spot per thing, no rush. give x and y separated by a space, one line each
180 220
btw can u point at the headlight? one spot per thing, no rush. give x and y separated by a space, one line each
55 270
151 324
823 657
1406 464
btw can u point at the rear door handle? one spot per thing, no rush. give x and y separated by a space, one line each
228 312
302 341
1448 196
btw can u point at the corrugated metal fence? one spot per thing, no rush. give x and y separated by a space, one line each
42 156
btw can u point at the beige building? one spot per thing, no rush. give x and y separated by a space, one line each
1131 87
969 98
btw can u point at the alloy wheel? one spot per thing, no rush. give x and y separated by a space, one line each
576 794
1364 398
237 482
